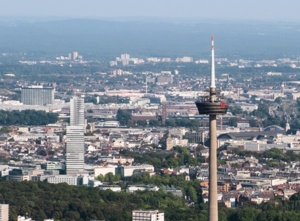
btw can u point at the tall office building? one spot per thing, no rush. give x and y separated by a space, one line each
37 95
4 212
75 138
147 215
76 111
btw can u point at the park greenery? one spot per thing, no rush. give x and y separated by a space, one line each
272 157
161 159
262 112
27 117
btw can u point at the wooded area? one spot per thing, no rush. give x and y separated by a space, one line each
27 117
40 200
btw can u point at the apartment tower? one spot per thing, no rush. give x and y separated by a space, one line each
37 95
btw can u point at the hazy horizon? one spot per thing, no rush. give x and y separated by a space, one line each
94 38
231 10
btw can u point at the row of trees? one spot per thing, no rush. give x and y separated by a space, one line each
41 200
62 202
27 117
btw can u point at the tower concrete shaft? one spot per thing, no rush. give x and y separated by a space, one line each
213 179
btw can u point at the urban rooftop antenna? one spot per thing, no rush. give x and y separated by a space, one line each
212 105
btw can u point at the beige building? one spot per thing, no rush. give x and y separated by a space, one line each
4 212
169 142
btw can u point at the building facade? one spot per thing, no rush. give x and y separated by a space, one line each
147 215
70 180
77 111
75 138
4 212
37 95
75 150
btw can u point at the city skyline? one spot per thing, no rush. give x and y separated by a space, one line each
229 10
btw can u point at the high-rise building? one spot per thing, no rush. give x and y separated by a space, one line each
75 55
37 95
125 58
76 111
75 150
147 215
75 138
4 212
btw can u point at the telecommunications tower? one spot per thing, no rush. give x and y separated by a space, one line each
212 105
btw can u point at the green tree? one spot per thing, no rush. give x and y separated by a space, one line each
233 121
235 110
123 117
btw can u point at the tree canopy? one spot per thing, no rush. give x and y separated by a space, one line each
27 117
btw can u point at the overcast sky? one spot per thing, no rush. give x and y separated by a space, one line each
276 10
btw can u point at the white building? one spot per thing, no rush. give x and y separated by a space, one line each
127 171
184 59
23 218
103 170
70 180
147 215
75 138
76 111
37 95
4 212
110 187
134 188
75 150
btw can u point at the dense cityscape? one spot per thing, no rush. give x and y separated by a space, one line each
148 120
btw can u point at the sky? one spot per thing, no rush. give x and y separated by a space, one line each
241 10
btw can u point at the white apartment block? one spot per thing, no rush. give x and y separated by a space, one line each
37 95
70 180
147 215
127 171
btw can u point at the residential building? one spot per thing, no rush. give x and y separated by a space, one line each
4 212
113 188
147 215
127 171
169 142
70 180
37 95
134 188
